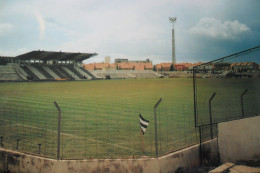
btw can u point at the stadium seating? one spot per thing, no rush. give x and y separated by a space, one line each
43 71
66 74
31 75
47 69
86 71
61 76
20 72
76 72
8 73
65 68
83 73
36 72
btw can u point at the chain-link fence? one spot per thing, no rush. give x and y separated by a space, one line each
176 128
234 95
236 88
29 131
84 134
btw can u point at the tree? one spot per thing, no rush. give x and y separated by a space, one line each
154 68
172 68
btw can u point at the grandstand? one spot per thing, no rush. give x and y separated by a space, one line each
45 66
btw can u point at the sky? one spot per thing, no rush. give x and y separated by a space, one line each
133 29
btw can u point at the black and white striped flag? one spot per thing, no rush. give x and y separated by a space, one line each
143 123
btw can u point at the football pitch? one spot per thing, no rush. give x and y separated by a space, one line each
100 118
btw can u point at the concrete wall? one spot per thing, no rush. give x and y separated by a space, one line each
126 73
239 140
187 158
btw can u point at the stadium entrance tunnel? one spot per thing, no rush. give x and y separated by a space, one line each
185 160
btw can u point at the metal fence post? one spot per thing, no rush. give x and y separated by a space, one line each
1 141
210 115
200 147
58 137
39 148
242 104
194 95
155 126
17 143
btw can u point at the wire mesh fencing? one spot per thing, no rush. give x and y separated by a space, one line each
86 134
118 135
225 89
29 131
236 81
176 128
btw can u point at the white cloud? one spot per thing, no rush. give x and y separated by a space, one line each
117 33
214 28
5 27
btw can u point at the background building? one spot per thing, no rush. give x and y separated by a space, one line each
107 59
119 60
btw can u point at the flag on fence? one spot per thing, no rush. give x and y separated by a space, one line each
143 123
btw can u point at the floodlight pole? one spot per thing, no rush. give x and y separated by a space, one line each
173 20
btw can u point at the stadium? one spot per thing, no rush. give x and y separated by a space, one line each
45 66
56 108
81 117
54 66
88 86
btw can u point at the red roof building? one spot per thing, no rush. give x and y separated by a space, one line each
163 66
126 66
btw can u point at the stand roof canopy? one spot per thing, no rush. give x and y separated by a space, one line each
58 56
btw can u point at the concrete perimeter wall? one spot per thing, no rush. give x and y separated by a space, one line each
187 158
239 140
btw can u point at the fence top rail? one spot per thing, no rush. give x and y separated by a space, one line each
229 56
159 101
57 106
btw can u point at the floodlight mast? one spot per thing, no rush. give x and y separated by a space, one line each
173 20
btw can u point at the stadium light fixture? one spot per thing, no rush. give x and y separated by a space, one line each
172 20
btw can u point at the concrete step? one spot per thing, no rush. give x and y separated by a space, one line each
244 169
51 72
222 168
232 168
36 72
82 72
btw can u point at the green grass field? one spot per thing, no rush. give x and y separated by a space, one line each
100 118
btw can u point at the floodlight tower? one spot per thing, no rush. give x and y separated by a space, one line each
173 20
